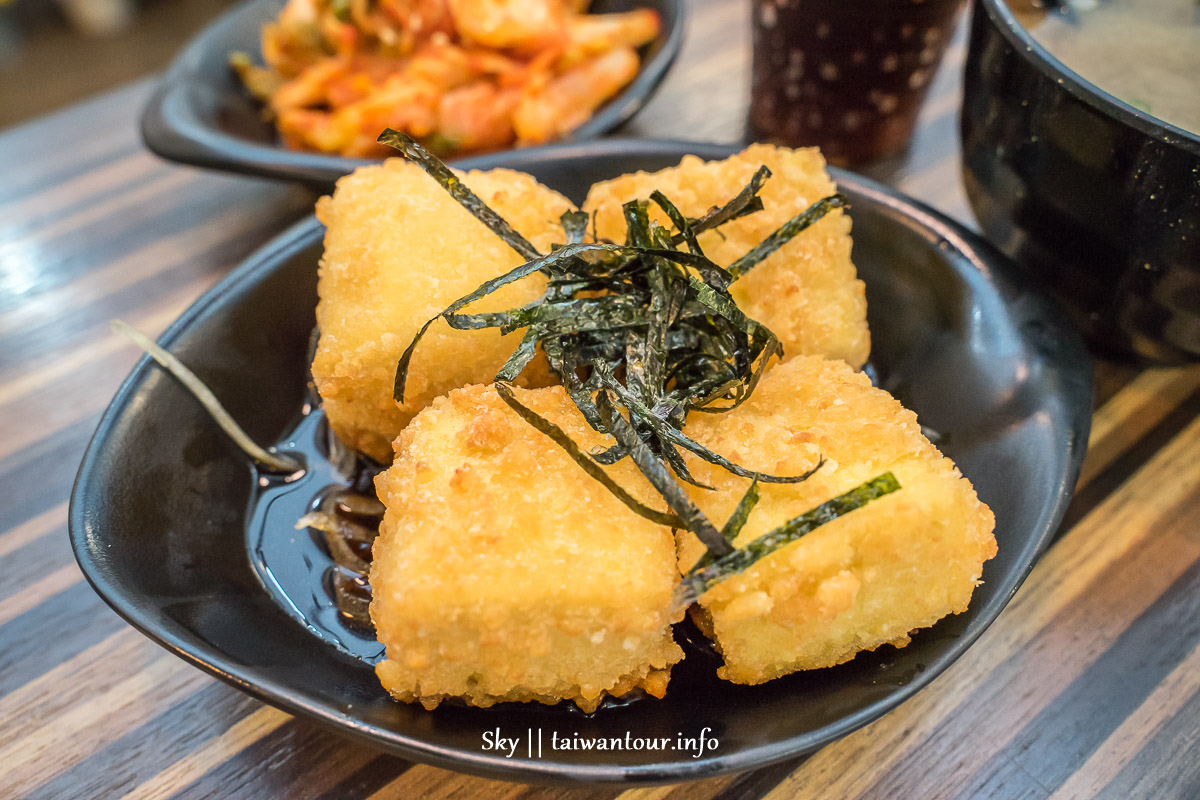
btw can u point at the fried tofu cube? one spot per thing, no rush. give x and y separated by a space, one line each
398 250
503 571
869 578
807 292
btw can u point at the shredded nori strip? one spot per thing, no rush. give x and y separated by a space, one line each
711 570
445 176
559 437
786 233
692 518
686 233
484 289
745 202
574 225
519 359
671 435
639 334
737 520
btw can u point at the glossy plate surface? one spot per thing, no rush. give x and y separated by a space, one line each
202 115
160 510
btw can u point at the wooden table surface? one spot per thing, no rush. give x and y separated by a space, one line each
1086 686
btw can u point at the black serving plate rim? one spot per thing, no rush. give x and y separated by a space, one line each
185 139
937 228
1080 87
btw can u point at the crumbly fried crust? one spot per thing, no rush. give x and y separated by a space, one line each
398 250
503 571
869 578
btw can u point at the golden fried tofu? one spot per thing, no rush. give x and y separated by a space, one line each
503 571
900 563
807 292
398 250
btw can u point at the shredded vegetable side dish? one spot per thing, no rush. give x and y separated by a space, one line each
459 76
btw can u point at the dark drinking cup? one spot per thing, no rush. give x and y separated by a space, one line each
846 75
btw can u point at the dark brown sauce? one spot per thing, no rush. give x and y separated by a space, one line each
351 592
320 578
358 515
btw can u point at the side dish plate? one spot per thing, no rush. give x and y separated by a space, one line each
160 510
201 115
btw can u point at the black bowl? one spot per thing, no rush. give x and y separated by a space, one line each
1097 200
160 515
201 114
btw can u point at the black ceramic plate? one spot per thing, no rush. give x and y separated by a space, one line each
161 512
201 114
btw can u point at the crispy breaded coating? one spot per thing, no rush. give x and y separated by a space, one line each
900 563
502 571
807 292
398 250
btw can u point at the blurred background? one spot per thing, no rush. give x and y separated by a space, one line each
54 52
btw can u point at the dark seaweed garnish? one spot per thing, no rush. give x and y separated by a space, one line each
786 232
559 437
640 334
450 182
737 520
692 518
745 202
713 568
